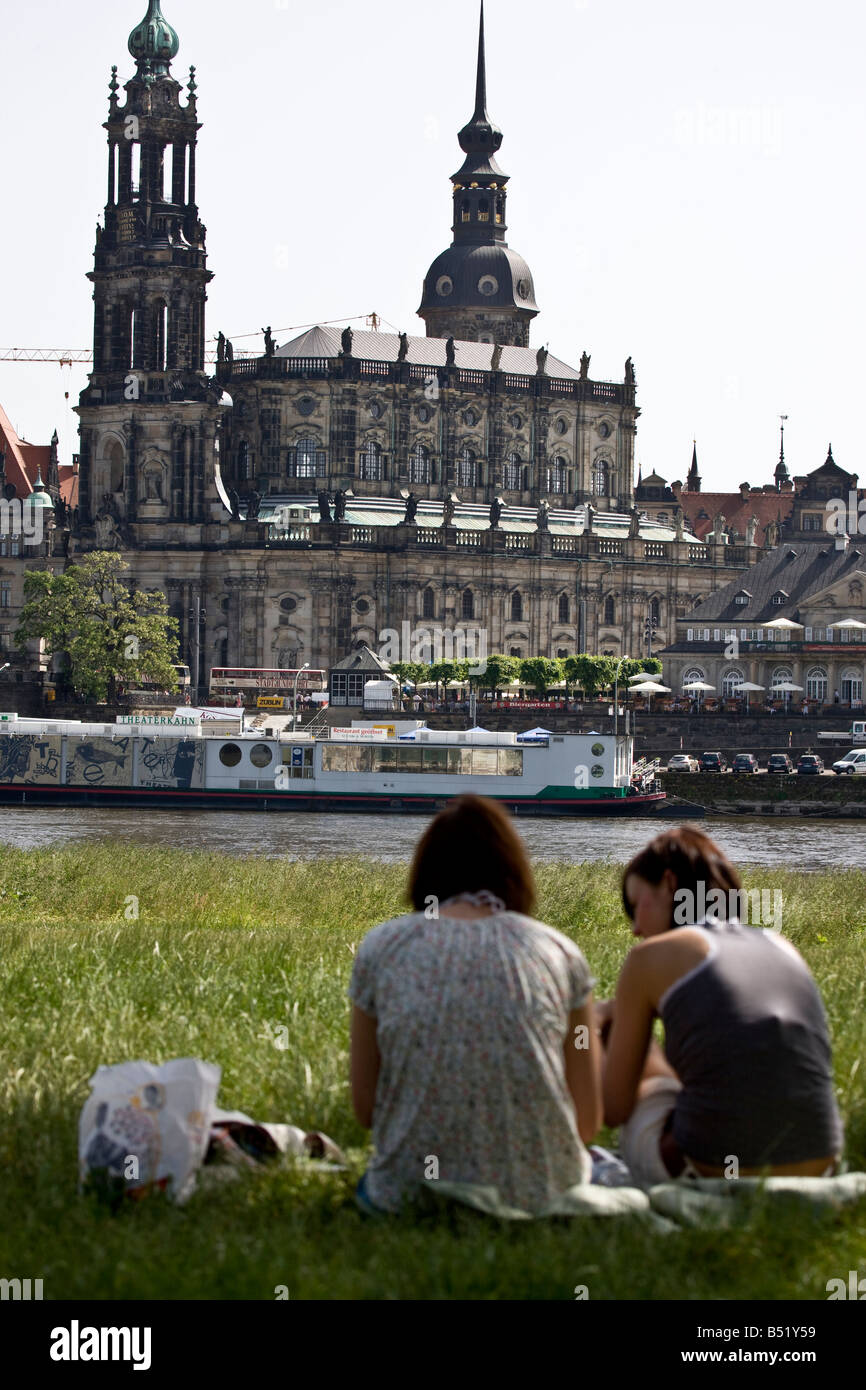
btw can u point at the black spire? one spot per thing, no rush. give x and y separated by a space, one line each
693 481
480 138
781 474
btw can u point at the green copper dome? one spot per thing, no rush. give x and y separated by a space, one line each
153 43
40 496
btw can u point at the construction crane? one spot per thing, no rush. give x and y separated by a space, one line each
67 356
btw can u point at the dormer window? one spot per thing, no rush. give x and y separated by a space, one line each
742 598
779 599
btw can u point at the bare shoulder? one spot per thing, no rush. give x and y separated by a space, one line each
662 960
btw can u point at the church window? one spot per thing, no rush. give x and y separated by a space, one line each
484 211
609 609
500 209
306 459
370 464
812 521
564 606
601 478
517 608
467 469
419 465
467 605
465 214
245 463
429 604
513 473
557 476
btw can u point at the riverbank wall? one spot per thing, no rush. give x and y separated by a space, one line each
818 798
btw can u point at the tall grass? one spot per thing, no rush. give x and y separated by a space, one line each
112 954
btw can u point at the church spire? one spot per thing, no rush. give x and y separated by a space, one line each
781 473
693 481
153 43
479 290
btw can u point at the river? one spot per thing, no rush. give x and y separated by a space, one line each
803 844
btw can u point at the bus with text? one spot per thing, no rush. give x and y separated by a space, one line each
247 685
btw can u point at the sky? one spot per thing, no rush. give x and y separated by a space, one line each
686 185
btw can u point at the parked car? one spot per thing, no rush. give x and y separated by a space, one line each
779 762
855 761
810 764
683 762
745 762
713 762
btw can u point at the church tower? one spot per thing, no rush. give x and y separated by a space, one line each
479 290
148 418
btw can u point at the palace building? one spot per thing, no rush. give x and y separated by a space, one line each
296 504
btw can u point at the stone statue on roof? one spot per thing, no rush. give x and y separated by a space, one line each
495 512
751 530
541 359
629 372
346 342
679 524
585 360
634 524
404 348
542 520
324 507
496 359
411 509
447 510
270 346
221 347
450 353
230 352
339 504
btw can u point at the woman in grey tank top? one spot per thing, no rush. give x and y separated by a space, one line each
744 1084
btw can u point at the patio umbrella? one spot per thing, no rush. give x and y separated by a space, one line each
698 685
851 623
746 687
784 625
642 676
785 688
650 688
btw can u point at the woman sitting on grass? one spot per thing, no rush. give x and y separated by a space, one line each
474 1055
745 1084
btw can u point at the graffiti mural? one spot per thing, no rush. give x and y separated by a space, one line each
99 762
171 763
30 759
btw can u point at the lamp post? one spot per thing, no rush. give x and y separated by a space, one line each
298 674
197 620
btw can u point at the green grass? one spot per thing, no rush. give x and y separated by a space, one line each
225 948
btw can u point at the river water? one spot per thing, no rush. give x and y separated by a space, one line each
803 844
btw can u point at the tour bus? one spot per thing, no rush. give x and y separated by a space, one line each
228 684
153 689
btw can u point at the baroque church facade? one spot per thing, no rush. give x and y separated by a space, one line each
295 504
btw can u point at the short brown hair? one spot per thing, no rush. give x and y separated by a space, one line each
469 846
691 856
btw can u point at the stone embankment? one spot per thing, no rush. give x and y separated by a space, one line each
765 794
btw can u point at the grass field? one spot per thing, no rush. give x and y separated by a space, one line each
225 950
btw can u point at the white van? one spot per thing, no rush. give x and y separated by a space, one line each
853 762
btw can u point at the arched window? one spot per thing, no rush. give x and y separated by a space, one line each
601 478
245 463
467 469
428 604
306 459
852 686
694 673
816 684
419 465
781 676
500 208
655 611
557 476
465 213
370 464
517 608
513 473
731 682
564 608
467 606
115 467
610 609
483 211
160 313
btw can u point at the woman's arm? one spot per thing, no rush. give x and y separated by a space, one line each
583 1070
363 1066
629 1040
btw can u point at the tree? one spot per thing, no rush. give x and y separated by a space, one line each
500 671
540 672
106 631
414 671
648 665
590 673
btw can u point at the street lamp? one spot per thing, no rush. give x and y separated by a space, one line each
298 674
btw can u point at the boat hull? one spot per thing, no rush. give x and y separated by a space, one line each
651 804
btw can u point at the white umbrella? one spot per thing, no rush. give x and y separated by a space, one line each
642 676
784 625
457 685
850 623
650 688
698 685
747 686
784 688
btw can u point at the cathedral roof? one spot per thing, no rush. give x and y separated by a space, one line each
423 352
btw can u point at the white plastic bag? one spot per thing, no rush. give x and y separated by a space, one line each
145 1127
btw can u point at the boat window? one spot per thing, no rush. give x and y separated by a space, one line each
261 755
484 762
230 755
409 759
459 761
384 759
511 762
436 760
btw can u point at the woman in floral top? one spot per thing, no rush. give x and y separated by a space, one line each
474 1054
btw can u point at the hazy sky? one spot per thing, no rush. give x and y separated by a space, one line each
686 184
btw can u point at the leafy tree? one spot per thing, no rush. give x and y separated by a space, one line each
106 632
647 665
445 671
501 670
540 672
590 673
414 671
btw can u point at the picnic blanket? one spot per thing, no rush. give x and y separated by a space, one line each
670 1206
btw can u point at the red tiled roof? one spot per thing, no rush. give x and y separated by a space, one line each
737 510
68 484
20 458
